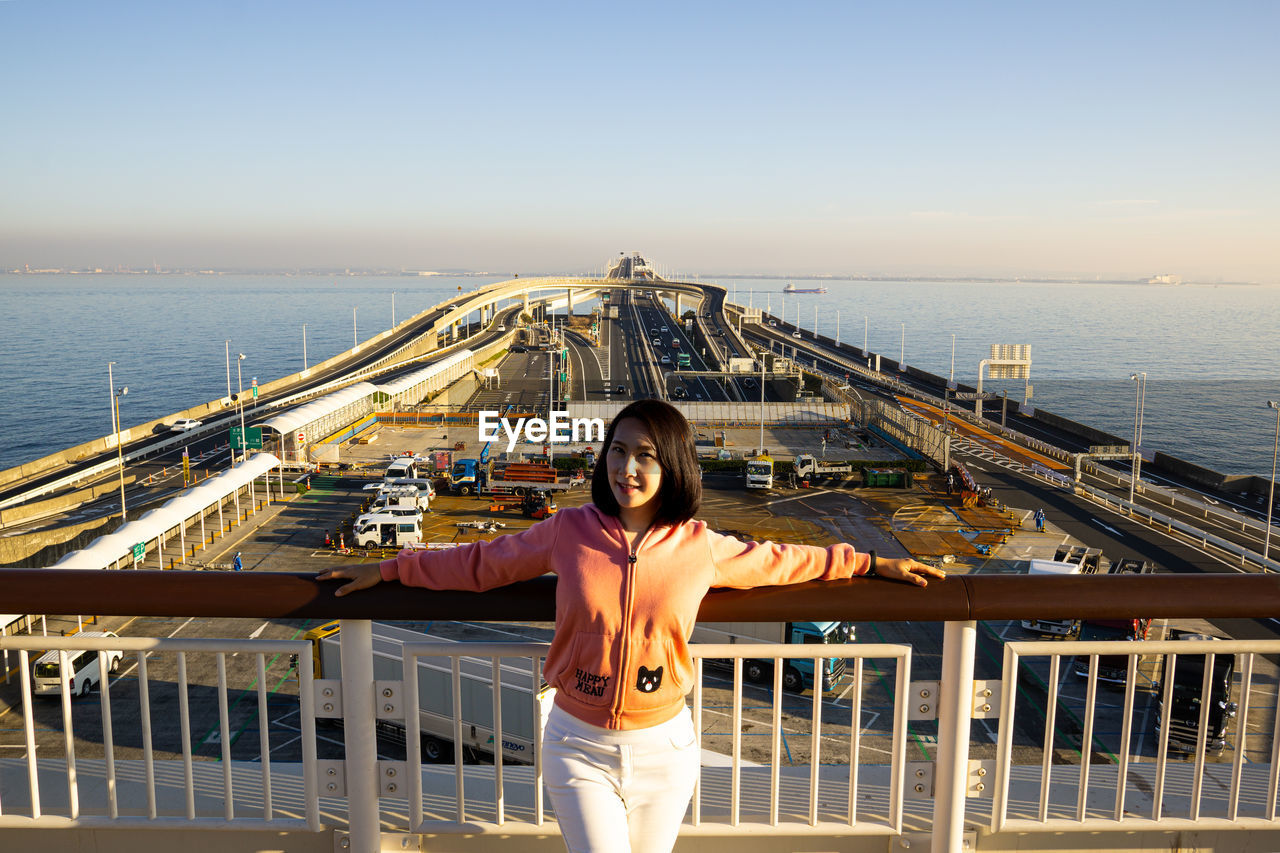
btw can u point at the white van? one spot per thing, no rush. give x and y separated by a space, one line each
387 530
85 668
400 497
403 466
422 484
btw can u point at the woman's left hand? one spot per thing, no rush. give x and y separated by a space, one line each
909 570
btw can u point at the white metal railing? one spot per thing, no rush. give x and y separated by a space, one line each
720 794
1042 782
1172 794
112 792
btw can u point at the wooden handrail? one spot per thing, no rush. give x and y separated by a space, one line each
959 598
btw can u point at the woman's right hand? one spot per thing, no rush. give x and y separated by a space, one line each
361 576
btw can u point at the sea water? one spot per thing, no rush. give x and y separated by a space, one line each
1209 352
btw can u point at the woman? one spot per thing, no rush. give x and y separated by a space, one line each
619 749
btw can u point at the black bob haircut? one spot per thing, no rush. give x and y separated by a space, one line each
680 493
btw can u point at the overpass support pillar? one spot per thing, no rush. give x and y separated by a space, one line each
569 300
525 310
678 312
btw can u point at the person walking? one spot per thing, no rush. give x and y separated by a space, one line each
1039 520
620 752
236 565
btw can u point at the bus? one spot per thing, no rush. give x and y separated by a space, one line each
682 361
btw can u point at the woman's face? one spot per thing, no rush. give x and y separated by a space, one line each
635 475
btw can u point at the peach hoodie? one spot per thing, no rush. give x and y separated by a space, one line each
620 656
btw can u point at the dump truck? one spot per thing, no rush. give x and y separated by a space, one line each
760 472
797 674
524 708
807 467
1186 695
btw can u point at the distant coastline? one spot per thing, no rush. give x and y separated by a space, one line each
387 273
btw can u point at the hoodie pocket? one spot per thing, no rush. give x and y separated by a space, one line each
658 677
589 677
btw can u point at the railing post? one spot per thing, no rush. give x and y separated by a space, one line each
955 708
359 736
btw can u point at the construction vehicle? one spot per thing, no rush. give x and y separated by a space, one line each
512 478
797 673
760 472
807 467
1187 695
1068 560
523 707
538 504
1115 668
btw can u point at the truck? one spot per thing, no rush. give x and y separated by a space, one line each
1115 668
383 529
523 707
760 472
683 361
797 674
1187 674
807 467
1069 560
514 478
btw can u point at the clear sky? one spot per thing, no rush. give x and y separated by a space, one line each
1021 138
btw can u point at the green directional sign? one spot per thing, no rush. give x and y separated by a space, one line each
254 438
138 550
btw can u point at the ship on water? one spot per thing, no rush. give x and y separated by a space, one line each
791 288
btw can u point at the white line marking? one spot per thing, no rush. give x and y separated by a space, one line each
1106 527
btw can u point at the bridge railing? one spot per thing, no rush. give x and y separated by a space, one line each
1056 752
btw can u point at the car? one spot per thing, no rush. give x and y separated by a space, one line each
656 342
795 334
622 389
666 359
184 424
664 330
502 328
517 348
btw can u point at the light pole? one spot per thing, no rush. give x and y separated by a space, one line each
952 378
355 334
228 369
304 351
1138 404
866 321
244 439
116 394
1266 542
902 347
393 309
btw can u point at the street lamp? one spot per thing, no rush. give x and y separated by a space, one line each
116 394
1266 542
355 334
1140 402
304 350
244 439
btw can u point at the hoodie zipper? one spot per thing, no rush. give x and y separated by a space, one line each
624 629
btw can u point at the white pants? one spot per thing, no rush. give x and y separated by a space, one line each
619 791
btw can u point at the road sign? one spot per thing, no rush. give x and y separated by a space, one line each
302 437
254 438
985 395
138 550
1109 449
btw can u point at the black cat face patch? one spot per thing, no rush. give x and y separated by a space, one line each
649 680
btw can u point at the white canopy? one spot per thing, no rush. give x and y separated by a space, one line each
409 380
106 550
302 416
